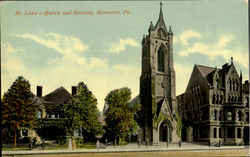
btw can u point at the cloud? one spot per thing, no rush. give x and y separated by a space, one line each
181 82
71 67
126 68
11 65
185 36
175 40
121 45
68 46
220 49
97 62
10 58
246 1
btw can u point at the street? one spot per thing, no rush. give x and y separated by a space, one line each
188 153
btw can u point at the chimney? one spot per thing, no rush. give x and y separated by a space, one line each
73 90
39 91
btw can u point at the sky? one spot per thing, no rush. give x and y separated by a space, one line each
54 47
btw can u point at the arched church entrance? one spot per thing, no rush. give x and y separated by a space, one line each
183 134
164 131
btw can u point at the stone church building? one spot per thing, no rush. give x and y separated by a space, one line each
214 107
157 85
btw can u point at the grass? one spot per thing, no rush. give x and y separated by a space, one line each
54 147
15 148
87 146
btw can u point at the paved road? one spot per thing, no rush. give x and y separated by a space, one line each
132 150
181 153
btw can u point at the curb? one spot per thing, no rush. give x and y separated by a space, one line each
13 153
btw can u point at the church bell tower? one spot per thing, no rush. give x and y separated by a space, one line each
157 84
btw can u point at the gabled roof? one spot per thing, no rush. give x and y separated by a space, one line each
135 100
38 101
58 96
205 70
226 67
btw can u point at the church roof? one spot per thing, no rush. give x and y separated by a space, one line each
135 100
205 70
58 96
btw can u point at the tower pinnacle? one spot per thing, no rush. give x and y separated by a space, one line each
161 15
160 22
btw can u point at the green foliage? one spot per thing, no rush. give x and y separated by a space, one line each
120 115
18 107
83 112
78 141
60 123
154 105
178 125
158 119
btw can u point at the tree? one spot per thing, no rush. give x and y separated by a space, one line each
120 115
18 109
83 112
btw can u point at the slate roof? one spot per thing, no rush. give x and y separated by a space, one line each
58 96
205 70
134 100
38 100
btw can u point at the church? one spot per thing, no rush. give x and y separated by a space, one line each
157 85
214 108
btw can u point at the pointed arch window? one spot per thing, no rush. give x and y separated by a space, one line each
230 85
239 116
219 115
214 114
237 86
160 59
213 100
229 116
221 97
216 84
234 86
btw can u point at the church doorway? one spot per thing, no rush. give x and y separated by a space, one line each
164 132
183 134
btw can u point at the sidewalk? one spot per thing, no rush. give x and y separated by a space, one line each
128 148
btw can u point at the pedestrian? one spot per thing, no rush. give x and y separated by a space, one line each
43 145
106 142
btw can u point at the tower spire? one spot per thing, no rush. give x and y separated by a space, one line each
160 22
160 15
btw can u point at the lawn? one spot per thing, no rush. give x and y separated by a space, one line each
53 147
